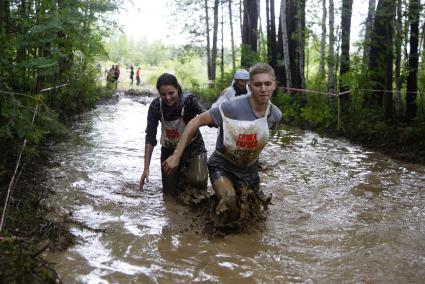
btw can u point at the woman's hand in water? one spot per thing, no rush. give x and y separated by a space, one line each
144 179
171 164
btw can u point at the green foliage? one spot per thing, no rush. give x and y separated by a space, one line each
210 93
413 134
249 57
317 112
47 44
289 113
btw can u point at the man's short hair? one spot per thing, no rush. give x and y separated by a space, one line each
261 68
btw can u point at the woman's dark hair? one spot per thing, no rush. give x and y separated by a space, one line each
168 79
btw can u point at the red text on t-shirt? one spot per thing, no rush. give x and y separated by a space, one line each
172 133
247 140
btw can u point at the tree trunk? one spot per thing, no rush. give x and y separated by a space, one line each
381 58
344 70
21 51
268 34
222 45
331 52
368 32
285 47
4 21
294 44
307 56
249 35
41 49
322 54
207 34
262 44
214 43
421 44
398 40
300 32
4 24
412 77
280 67
422 52
241 16
345 43
232 37
271 34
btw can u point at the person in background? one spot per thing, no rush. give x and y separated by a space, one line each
174 109
138 76
110 77
116 76
237 88
244 124
131 74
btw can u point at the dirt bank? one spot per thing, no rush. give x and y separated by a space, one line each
28 231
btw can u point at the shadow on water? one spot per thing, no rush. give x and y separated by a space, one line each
339 213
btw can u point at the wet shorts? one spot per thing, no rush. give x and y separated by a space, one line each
215 173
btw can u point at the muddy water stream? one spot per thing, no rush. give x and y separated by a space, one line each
340 213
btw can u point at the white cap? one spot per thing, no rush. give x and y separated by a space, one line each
241 74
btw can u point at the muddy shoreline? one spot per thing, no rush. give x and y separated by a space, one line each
29 232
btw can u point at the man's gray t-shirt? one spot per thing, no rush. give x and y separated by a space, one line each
238 108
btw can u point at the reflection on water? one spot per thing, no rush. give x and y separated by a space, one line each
339 214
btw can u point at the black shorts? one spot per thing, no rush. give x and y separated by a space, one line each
215 173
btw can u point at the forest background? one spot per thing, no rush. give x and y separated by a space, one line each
369 89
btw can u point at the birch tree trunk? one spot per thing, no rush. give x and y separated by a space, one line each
287 63
207 34
241 16
232 37
222 45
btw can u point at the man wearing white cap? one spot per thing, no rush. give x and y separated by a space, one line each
237 88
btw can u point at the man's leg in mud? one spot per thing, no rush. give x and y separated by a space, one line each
227 206
197 172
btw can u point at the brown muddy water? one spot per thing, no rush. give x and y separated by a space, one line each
340 213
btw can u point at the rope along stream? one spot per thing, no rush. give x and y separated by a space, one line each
13 180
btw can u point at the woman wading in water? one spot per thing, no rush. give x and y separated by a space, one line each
174 110
244 124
